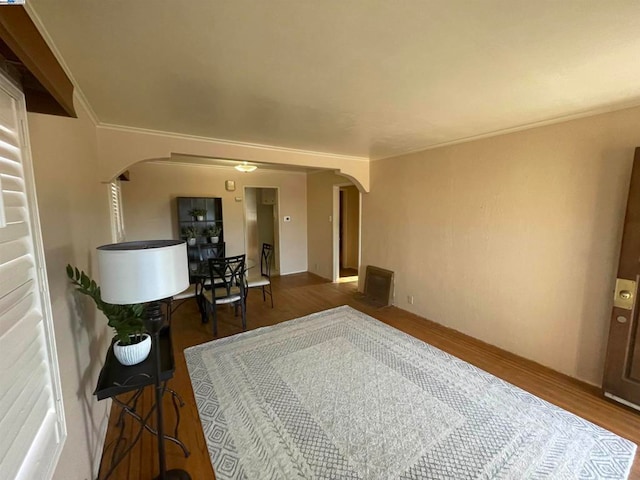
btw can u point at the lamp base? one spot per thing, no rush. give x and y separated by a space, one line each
175 474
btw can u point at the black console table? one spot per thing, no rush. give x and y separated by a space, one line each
116 379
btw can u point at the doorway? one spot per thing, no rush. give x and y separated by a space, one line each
346 233
261 223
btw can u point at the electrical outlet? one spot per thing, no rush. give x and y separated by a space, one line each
410 299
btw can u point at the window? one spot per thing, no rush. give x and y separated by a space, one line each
117 222
31 413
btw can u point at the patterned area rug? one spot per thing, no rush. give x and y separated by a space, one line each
340 395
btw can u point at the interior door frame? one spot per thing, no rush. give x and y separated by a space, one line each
277 261
336 228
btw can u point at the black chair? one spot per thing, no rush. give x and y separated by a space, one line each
229 287
264 278
205 252
211 250
173 303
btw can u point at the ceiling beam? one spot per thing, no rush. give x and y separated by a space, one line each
46 86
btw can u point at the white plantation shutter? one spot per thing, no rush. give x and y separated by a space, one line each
32 428
115 204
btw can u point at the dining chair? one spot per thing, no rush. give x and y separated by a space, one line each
173 303
207 251
263 279
229 287
203 283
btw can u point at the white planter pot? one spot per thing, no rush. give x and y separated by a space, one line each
134 353
200 218
191 241
214 239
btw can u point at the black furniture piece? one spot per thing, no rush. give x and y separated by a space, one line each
177 300
199 272
116 379
263 278
210 250
147 272
212 218
228 278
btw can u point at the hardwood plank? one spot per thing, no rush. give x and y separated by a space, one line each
301 294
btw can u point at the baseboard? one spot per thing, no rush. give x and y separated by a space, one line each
622 401
507 355
284 274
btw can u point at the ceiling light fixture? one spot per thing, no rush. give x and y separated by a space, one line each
244 167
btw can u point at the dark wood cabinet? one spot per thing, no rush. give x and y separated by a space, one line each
200 230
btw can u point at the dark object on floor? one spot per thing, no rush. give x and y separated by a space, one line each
378 285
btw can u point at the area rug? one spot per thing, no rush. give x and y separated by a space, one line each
340 395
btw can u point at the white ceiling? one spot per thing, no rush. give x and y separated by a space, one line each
370 78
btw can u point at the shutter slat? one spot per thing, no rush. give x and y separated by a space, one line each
13 231
12 183
13 402
117 221
14 199
10 167
28 357
23 441
9 341
9 152
38 462
16 215
9 137
15 303
32 404
14 249
21 270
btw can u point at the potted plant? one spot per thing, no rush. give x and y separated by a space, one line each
212 232
190 233
198 213
133 344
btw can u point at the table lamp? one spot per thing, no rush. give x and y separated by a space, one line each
146 272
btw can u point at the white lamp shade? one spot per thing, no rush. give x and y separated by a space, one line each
139 272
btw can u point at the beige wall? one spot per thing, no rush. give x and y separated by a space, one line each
514 239
150 209
320 229
75 219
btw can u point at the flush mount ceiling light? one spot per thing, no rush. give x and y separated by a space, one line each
244 167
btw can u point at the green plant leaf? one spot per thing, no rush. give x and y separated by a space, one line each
126 320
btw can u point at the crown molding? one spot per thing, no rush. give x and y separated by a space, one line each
258 146
527 126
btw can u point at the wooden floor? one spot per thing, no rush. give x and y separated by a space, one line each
348 272
298 295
